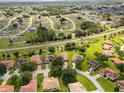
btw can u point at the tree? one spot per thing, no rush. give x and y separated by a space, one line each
70 46
43 34
16 54
78 33
56 67
57 62
120 67
40 51
87 25
26 78
82 49
69 76
15 81
51 49
56 71
78 64
121 23
101 57
3 69
30 66
8 56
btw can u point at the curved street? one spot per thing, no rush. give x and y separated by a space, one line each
92 79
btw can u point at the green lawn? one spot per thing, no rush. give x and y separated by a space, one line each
63 87
86 83
39 82
94 47
106 84
1 81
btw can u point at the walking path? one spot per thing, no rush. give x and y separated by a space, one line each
92 79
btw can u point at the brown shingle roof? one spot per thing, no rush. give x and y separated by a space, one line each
109 73
120 84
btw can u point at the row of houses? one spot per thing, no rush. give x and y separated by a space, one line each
53 84
49 83
109 73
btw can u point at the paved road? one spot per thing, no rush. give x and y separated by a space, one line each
52 25
10 21
64 42
92 79
30 24
38 71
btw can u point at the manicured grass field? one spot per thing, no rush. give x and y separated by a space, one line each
1 81
94 47
106 84
39 82
63 87
86 83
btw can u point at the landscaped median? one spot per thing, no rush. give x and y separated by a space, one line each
86 83
106 84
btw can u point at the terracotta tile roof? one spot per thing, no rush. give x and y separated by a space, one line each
108 42
109 73
108 52
31 87
76 87
117 60
120 85
8 63
7 88
107 47
51 83
36 58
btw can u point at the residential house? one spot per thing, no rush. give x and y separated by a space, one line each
19 63
120 85
7 88
76 87
108 53
109 73
117 60
93 64
49 58
31 87
77 57
37 59
51 83
8 63
108 48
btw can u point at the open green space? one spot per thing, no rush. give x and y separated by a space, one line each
1 81
86 83
106 84
39 82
